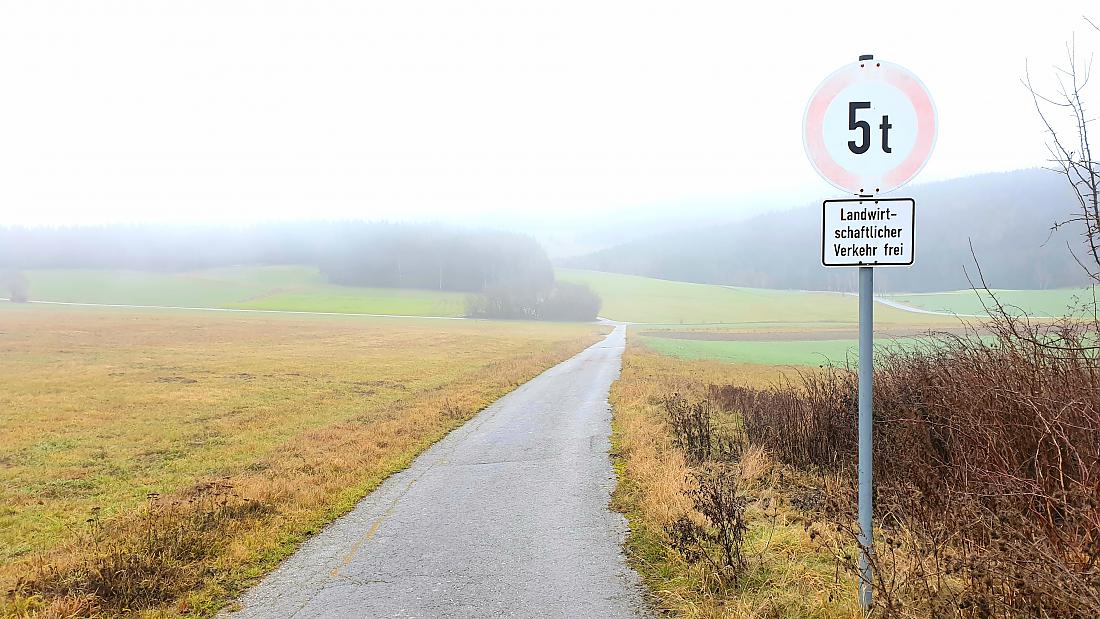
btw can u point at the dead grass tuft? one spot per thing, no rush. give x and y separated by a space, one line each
147 559
754 465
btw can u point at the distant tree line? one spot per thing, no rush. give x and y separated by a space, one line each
435 257
510 272
356 253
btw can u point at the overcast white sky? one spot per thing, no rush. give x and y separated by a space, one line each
234 111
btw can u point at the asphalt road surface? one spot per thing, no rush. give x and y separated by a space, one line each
505 517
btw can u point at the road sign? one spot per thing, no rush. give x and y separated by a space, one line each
867 232
869 127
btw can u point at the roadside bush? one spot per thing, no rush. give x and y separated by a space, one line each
811 427
695 433
987 465
570 302
691 428
516 300
719 539
715 531
524 300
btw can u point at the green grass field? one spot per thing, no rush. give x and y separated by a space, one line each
660 305
766 352
779 315
763 352
289 288
656 304
625 297
646 300
328 298
1056 302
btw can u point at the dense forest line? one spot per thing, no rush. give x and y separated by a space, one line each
1007 216
357 253
510 271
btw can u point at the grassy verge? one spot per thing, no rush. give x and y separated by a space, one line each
158 463
786 574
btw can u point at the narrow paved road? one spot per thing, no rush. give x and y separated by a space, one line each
505 517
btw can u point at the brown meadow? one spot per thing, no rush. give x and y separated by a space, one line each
156 463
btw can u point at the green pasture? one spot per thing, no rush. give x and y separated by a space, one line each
808 353
289 288
764 326
637 299
661 303
767 353
137 287
354 300
1054 302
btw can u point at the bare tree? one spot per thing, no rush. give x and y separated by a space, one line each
1071 153
1072 157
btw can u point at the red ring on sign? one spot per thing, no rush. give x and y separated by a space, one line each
814 119
911 87
814 133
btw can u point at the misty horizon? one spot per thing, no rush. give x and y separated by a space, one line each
473 113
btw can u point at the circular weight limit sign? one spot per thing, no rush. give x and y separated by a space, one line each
869 127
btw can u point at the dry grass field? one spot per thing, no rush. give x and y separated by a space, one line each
155 463
786 573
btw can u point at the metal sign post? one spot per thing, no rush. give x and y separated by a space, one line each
868 129
866 430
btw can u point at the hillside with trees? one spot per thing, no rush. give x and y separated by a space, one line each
1007 216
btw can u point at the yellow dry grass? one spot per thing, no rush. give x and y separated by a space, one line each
160 462
788 575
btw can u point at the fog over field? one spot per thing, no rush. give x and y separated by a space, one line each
489 117
532 118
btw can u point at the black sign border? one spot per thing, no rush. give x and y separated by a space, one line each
912 232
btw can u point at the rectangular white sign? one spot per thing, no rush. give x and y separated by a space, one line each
867 232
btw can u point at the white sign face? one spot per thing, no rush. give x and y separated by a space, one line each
867 232
869 127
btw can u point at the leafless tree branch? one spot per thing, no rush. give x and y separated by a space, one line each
1071 155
